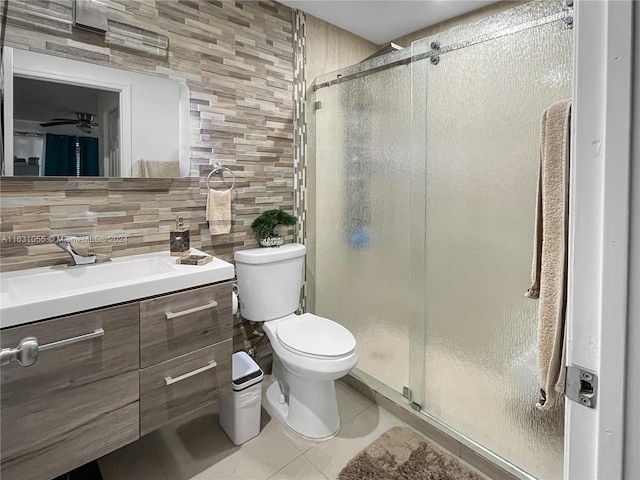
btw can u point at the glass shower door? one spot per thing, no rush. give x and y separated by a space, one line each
475 141
362 181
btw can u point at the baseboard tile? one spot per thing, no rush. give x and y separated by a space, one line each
485 466
363 385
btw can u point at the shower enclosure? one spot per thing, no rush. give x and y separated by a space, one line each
426 169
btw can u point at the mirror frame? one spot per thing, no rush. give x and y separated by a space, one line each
125 105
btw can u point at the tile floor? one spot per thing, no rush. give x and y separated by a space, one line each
197 448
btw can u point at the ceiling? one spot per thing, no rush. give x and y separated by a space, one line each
41 101
381 21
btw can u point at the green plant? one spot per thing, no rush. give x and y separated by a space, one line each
263 225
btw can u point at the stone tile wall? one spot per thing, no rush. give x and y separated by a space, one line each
237 59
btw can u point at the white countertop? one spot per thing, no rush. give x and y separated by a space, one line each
39 293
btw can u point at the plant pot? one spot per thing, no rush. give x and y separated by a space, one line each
272 241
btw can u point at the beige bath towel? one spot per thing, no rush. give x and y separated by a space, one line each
218 211
549 271
159 169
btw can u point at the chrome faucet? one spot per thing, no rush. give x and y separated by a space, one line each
64 242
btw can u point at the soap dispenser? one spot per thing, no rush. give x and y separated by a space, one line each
179 239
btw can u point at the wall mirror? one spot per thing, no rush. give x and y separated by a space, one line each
69 118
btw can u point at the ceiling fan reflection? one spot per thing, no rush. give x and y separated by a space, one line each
83 121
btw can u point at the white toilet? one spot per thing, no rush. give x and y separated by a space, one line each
310 352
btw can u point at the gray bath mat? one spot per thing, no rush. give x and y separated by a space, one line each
402 454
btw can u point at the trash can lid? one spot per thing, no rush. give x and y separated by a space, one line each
244 371
242 365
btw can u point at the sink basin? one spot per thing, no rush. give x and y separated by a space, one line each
54 281
39 293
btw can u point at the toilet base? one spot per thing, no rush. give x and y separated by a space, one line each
310 407
273 396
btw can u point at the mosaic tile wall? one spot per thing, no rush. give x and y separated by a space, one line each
300 136
300 124
237 59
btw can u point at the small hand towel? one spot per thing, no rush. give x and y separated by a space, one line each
218 211
549 269
159 169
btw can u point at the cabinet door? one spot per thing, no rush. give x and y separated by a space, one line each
183 385
78 401
182 322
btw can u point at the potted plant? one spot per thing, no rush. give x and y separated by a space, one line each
264 225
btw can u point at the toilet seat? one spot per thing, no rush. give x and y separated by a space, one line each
317 337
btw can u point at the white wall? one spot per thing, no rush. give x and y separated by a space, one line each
107 103
632 394
29 146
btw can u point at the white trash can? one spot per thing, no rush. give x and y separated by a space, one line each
240 410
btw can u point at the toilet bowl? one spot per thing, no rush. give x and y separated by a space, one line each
303 394
310 352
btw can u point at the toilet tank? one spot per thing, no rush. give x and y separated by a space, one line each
269 281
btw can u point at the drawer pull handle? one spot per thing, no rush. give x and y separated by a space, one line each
98 332
26 353
209 366
171 315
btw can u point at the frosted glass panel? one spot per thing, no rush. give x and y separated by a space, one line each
484 105
362 234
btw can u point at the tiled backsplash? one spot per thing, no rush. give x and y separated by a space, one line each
122 217
237 59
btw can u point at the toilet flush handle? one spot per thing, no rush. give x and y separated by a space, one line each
235 304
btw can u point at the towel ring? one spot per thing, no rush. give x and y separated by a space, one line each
218 168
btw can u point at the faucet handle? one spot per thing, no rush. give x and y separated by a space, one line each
65 241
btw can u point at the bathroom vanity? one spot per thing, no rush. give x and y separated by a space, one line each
106 376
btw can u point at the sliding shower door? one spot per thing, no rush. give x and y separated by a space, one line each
362 182
476 132
425 177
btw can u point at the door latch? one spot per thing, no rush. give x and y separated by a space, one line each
581 386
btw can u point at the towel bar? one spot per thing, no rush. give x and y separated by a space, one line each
218 168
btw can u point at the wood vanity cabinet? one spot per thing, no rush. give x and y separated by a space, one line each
128 370
185 353
78 401
183 385
179 323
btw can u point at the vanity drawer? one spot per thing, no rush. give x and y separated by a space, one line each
78 401
180 323
183 385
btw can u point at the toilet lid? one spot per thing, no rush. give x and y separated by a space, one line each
312 335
